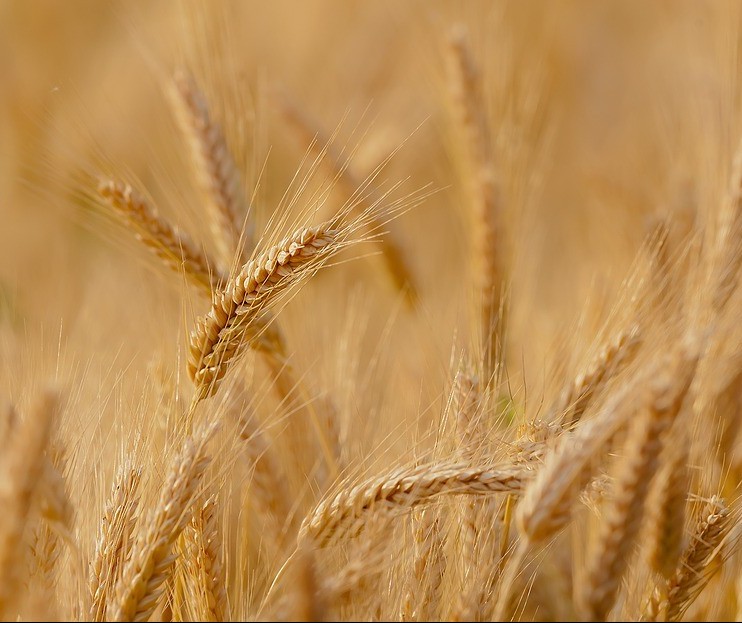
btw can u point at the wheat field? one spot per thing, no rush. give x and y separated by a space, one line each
370 310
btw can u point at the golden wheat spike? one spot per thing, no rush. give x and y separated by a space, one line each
215 169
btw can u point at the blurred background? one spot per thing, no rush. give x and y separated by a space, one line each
605 116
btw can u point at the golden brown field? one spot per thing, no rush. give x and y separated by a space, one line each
370 310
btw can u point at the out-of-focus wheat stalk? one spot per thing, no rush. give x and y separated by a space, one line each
140 586
215 169
360 195
22 468
171 245
488 238
668 602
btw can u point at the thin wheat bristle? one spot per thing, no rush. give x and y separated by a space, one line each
608 558
171 245
401 490
114 539
361 195
140 586
221 335
215 168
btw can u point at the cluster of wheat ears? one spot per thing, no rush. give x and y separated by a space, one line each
616 497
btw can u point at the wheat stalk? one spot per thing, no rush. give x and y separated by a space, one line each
21 469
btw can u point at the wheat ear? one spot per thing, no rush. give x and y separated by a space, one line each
546 505
611 359
21 469
171 245
214 166
423 595
205 563
486 201
401 490
728 246
141 584
669 602
114 539
469 436
608 559
666 506
57 514
221 335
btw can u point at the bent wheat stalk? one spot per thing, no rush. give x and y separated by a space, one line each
221 335
401 490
